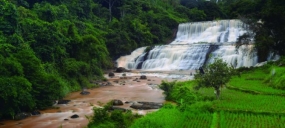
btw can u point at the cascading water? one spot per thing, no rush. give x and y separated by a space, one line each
196 44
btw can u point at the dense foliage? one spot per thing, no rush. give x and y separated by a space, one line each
46 52
49 48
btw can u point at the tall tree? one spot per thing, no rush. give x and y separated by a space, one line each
215 75
110 5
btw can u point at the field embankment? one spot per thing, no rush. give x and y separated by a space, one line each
256 98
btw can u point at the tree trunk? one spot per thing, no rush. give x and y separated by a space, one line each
110 11
111 3
218 92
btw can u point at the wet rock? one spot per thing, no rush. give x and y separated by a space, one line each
74 116
124 74
148 80
111 74
84 93
136 105
63 101
117 102
123 77
22 115
36 112
146 105
108 84
127 102
121 69
118 108
143 77
65 119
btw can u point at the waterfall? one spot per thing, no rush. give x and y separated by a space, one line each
196 44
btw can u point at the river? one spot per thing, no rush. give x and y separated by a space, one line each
129 89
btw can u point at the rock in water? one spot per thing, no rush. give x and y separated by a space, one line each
63 101
111 74
120 69
84 93
146 105
143 77
22 115
117 102
36 112
136 105
74 116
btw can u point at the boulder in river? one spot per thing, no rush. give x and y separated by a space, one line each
22 115
120 69
143 77
74 116
136 105
63 101
117 102
111 74
146 105
36 112
84 93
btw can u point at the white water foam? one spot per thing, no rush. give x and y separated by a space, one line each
196 44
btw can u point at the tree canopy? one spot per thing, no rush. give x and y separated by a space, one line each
49 48
215 75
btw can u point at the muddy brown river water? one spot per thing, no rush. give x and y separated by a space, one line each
127 89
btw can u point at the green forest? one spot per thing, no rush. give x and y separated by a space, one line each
49 48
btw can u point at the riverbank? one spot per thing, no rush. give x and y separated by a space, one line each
129 88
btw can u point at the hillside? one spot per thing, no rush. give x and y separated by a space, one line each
51 48
255 99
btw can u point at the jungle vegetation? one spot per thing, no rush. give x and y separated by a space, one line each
49 48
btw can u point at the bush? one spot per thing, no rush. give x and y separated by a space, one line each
167 87
115 119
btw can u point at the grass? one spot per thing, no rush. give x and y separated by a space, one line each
250 120
255 81
236 100
276 78
174 118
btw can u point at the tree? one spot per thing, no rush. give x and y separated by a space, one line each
8 17
273 17
265 25
215 75
110 6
